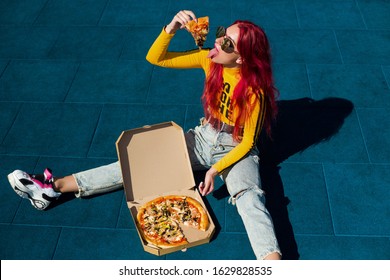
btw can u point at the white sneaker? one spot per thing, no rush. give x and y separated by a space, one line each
37 188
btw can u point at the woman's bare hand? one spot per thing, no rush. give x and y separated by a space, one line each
207 186
179 21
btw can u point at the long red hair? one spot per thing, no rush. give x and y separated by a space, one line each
256 78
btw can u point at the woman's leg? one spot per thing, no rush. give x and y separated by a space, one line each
65 184
42 189
98 180
243 183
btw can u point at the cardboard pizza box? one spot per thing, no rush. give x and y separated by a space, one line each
155 162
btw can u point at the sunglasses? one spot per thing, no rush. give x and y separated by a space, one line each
227 44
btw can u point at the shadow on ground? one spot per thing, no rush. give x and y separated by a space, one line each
300 124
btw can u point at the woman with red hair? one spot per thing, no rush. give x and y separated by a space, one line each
238 101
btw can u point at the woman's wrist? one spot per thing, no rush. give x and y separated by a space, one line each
213 171
169 29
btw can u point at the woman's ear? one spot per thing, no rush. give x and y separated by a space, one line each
239 60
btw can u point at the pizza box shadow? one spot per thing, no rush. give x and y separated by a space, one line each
300 124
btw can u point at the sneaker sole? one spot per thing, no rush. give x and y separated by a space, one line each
24 192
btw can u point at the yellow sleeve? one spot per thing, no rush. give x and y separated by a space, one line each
252 129
159 55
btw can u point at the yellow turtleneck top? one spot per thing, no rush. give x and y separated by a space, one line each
159 55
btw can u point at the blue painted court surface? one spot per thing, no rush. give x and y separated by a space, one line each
73 76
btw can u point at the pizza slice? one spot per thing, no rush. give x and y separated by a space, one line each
199 30
188 211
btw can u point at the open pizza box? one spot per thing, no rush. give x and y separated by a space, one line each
154 162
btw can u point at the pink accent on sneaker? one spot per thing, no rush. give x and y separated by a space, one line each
47 181
48 175
39 183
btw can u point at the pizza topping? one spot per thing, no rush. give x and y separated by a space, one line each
199 29
160 219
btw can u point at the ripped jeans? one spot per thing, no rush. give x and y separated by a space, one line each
206 146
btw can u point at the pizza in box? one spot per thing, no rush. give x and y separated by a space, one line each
162 219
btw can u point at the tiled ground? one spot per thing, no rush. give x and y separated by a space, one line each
73 76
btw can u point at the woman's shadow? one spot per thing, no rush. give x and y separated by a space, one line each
300 124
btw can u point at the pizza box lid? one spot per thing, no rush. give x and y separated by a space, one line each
154 160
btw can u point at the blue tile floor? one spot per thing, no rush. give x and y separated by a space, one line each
73 75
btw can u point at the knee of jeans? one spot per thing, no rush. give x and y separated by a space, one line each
233 199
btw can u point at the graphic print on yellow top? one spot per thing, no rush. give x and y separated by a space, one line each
158 55
225 104
225 108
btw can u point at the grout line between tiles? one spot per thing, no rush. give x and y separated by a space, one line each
361 14
329 200
5 68
16 212
297 15
149 86
71 83
120 211
13 122
123 45
338 46
102 13
40 12
384 74
308 81
343 235
62 227
185 116
56 245
94 131
362 134
61 30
